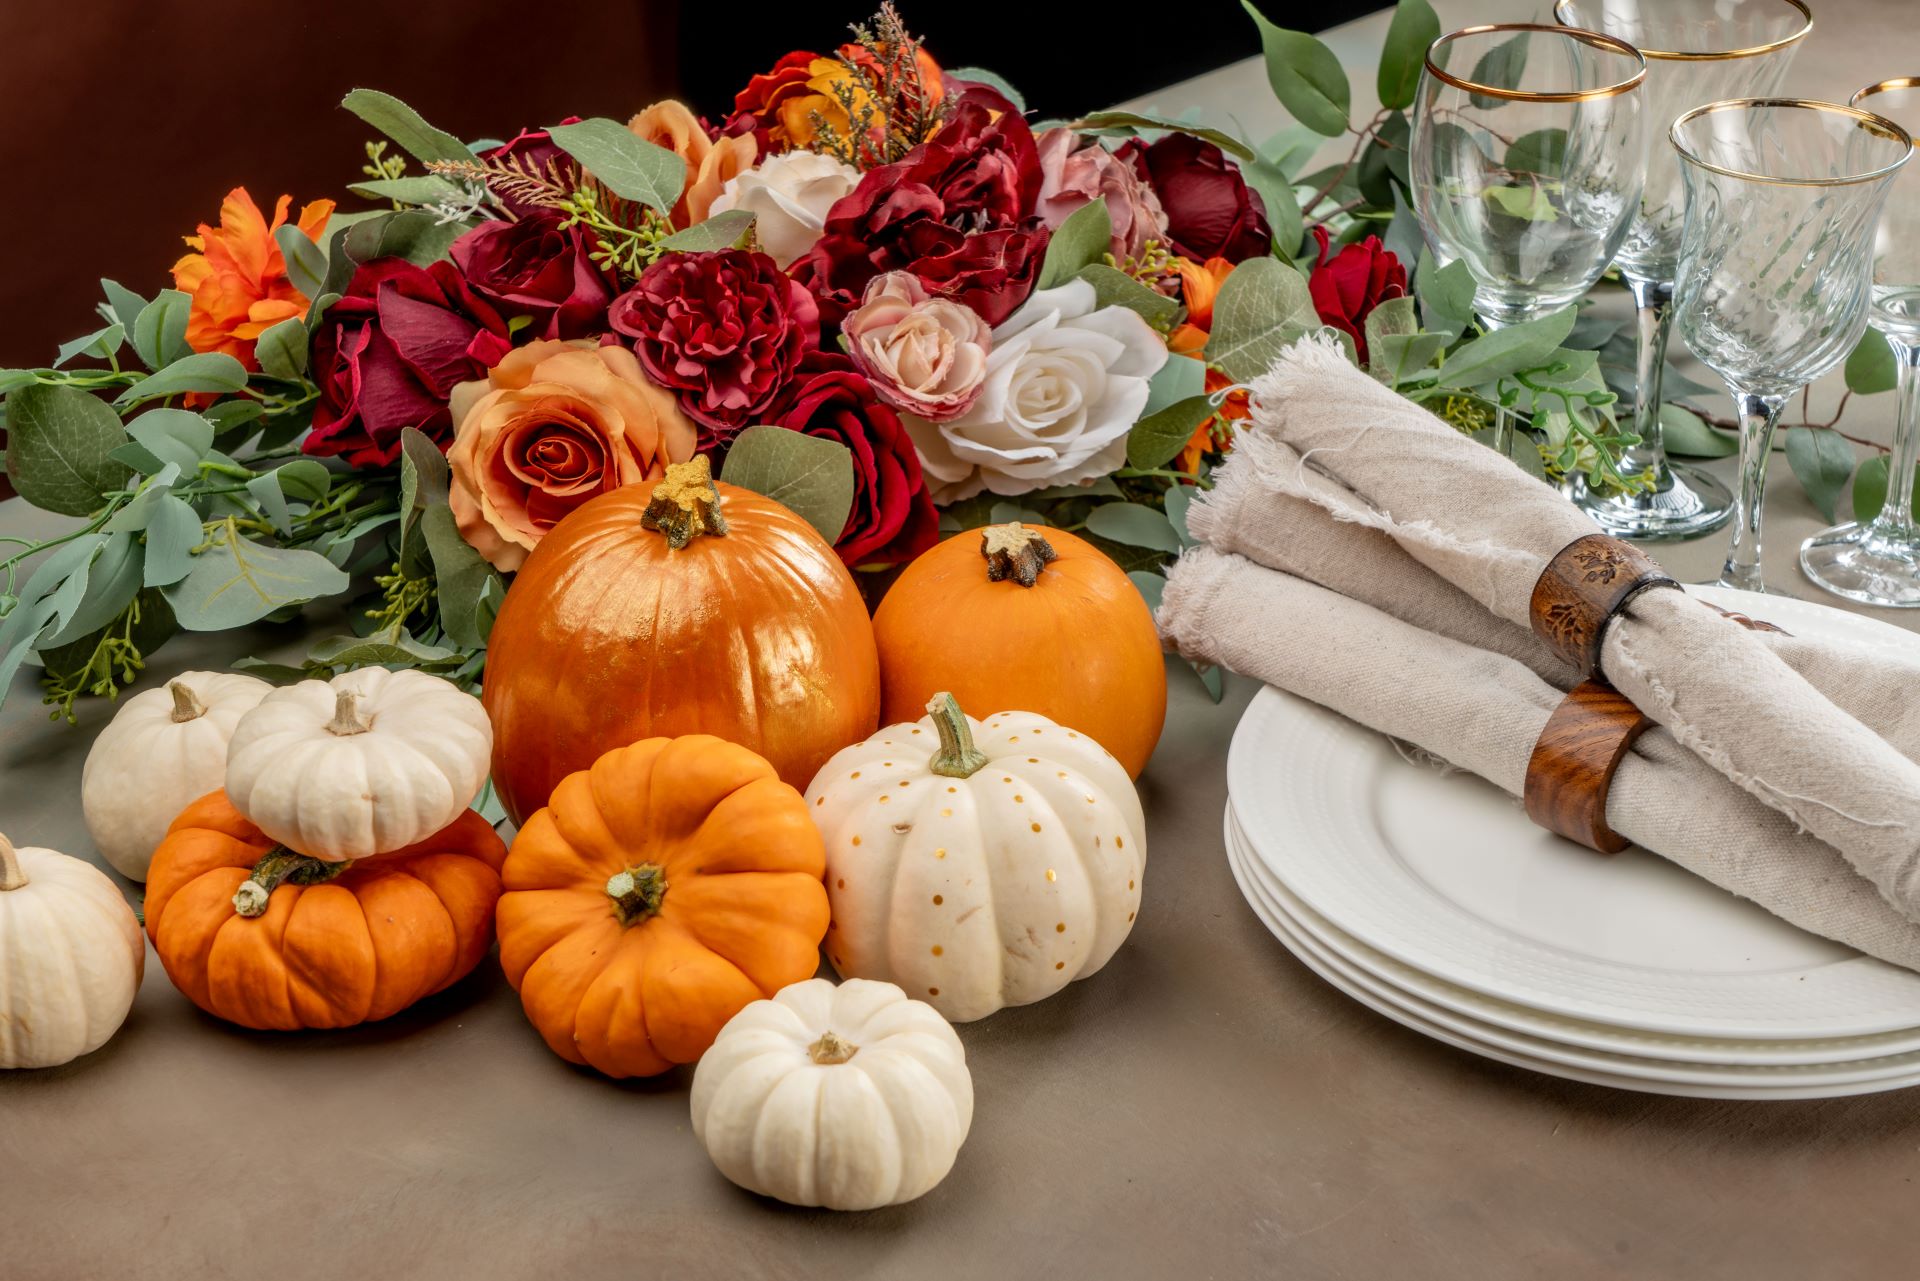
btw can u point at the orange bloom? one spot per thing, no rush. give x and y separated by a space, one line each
237 276
1200 285
824 76
672 125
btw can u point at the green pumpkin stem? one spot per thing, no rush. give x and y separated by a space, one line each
957 757
637 892
1016 552
686 504
279 866
186 704
830 1049
12 875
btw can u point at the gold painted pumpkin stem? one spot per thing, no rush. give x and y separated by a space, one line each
186 704
957 757
637 892
830 1049
1016 552
348 719
279 866
686 504
12 875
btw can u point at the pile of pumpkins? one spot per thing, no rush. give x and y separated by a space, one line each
681 710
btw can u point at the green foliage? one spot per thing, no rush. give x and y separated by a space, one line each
1080 242
1262 309
1414 27
814 477
1823 462
626 165
1306 76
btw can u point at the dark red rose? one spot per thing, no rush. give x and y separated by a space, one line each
756 108
893 519
1211 212
388 354
1359 278
538 269
534 151
725 330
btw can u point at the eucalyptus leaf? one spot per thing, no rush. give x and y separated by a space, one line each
1529 202
1134 525
1445 295
60 444
99 344
304 480
113 580
282 349
1263 306
1115 288
1399 358
1178 379
1499 67
1151 586
125 304
133 517
205 371
1383 160
1390 318
160 329
266 491
1502 353
721 231
140 458
423 189
1415 26
306 261
172 532
1077 243
1282 204
1009 513
1823 462
417 235
461 577
1177 500
424 482
811 476
993 81
1687 434
1156 438
176 436
1870 489
1871 368
1148 122
1542 151
405 126
626 165
1305 75
235 582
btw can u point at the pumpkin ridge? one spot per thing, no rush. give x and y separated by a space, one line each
239 982
302 969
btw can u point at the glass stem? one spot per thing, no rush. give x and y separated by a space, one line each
1759 415
1653 311
1895 521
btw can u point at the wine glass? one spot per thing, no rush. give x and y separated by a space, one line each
1776 261
1529 145
1878 562
1697 51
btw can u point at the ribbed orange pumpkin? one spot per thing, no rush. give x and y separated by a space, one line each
686 608
269 939
1029 618
655 897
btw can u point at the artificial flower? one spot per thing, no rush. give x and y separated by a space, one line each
729 158
1210 210
672 125
1074 172
539 268
892 519
550 427
388 354
237 277
923 354
1347 287
534 151
789 196
757 108
1065 383
724 330
1199 286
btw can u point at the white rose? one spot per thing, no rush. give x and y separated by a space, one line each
789 195
1064 385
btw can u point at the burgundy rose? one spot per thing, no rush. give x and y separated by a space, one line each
893 519
723 330
1211 212
1359 278
388 354
538 269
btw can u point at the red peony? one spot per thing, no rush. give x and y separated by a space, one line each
893 519
725 331
389 353
538 269
1359 278
1211 212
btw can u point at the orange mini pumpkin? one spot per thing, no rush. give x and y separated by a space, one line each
261 936
682 608
655 897
1029 618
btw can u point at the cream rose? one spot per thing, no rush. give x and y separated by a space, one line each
789 195
922 353
1064 384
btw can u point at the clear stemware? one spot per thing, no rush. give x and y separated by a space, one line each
1697 51
1877 562
1776 259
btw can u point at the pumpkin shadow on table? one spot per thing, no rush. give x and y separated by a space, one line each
461 998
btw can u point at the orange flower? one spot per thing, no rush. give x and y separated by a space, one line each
237 277
1200 285
828 78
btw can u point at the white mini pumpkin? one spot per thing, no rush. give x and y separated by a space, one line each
981 876
848 1097
71 956
364 764
164 749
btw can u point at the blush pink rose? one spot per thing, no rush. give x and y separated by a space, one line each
1075 172
923 353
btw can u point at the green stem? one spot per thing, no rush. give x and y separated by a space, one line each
957 757
278 866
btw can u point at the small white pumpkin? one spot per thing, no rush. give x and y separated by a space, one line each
364 764
983 876
71 956
164 749
849 1097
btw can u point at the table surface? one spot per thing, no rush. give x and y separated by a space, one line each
1203 1107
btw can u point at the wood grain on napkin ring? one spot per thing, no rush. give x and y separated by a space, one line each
1574 760
1586 583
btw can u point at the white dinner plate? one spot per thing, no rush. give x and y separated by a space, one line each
1445 874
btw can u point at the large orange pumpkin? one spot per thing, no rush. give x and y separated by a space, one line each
261 936
656 896
686 608
1024 618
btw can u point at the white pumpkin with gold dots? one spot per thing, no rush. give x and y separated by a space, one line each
978 864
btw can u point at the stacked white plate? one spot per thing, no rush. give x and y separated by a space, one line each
1431 898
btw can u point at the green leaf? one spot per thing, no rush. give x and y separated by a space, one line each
1263 307
1134 525
304 480
1178 379
1383 160
236 582
1398 358
125 304
423 189
160 330
306 261
414 234
1178 499
1414 27
1151 586
1156 438
1078 243
1115 288
1007 513
1823 462
174 436
388 648
1502 353
112 583
266 491
282 349
980 75
1133 122
813 477
1391 318
99 344
1542 152
624 164
721 231
462 577
1530 202
59 448
1499 67
1870 489
208 371
1445 294
133 517
173 531
404 125
1306 76
424 482
1283 205
1689 435
1871 367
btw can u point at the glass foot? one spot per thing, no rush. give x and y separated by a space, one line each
1689 503
1861 564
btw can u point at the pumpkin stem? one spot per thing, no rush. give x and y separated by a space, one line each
186 704
686 504
12 876
348 719
278 866
830 1049
957 757
1016 552
637 892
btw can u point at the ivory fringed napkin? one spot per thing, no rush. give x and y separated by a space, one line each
1482 711
1486 527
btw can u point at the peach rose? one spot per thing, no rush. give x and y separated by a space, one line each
729 158
922 353
553 425
710 164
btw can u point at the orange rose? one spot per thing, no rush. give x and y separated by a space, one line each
829 79
554 425
1199 286
238 278
671 125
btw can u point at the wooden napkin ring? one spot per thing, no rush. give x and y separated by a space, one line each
1573 762
1586 583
